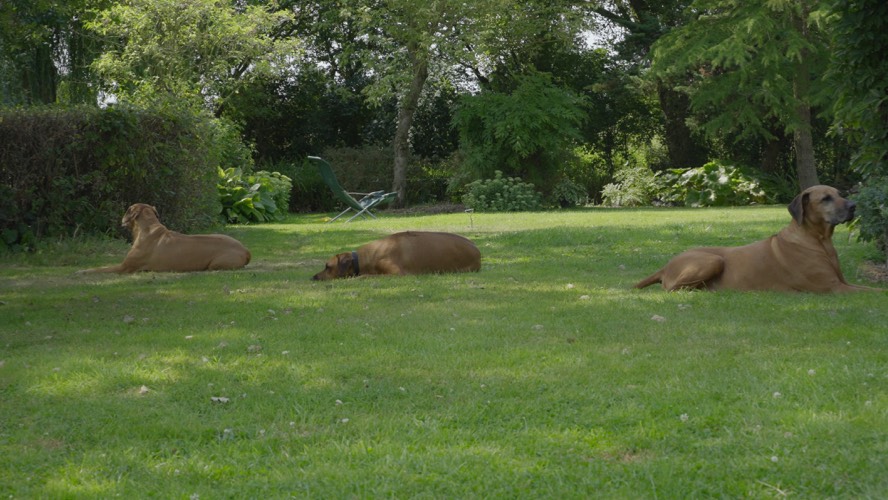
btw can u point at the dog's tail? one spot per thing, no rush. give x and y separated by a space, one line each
650 280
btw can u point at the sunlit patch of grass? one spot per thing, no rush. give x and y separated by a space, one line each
543 375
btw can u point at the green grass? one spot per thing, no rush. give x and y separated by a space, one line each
544 375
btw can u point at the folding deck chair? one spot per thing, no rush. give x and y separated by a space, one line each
361 206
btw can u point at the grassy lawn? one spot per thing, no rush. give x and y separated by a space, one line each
544 375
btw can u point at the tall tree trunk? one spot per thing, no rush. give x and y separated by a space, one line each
806 167
773 148
406 111
803 142
40 77
684 150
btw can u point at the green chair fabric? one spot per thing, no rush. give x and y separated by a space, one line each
363 205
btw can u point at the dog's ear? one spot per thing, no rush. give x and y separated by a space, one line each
131 213
156 215
797 207
344 264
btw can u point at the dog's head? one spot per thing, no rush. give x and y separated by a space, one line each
135 212
339 266
821 206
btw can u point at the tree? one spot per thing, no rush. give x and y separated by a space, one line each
411 41
45 51
405 38
521 132
859 72
643 23
200 50
752 64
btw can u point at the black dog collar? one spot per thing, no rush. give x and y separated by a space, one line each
355 265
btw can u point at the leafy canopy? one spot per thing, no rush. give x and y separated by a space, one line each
741 59
504 130
199 49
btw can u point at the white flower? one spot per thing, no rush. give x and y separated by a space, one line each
684 417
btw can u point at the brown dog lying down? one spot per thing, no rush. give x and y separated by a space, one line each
801 257
156 248
411 252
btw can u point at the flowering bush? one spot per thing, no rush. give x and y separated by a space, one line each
501 194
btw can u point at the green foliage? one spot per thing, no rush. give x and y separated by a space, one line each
568 193
712 185
742 79
258 197
525 132
872 213
635 186
858 78
859 72
45 52
198 50
586 168
501 194
72 171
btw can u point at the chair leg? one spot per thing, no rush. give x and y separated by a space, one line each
340 215
364 212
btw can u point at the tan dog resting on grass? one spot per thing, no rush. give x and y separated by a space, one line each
411 252
156 248
801 257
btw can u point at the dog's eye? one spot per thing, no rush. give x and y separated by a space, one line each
827 198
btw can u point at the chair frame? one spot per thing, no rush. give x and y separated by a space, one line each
362 206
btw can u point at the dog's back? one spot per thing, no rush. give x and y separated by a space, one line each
418 252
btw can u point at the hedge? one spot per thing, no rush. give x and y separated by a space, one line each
74 170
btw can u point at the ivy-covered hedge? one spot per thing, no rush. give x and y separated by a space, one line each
70 171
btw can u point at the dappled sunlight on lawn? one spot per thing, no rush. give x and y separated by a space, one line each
544 372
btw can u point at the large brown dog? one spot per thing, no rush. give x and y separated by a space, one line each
156 248
411 252
801 257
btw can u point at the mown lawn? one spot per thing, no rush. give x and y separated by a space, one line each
544 375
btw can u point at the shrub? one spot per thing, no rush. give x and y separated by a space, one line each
872 211
70 171
635 186
568 193
713 184
524 130
309 193
501 194
586 168
259 197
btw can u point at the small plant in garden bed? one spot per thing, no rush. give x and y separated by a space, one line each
501 194
258 197
714 184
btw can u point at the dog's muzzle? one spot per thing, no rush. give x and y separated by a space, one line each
851 206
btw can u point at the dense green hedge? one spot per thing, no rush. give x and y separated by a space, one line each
69 171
